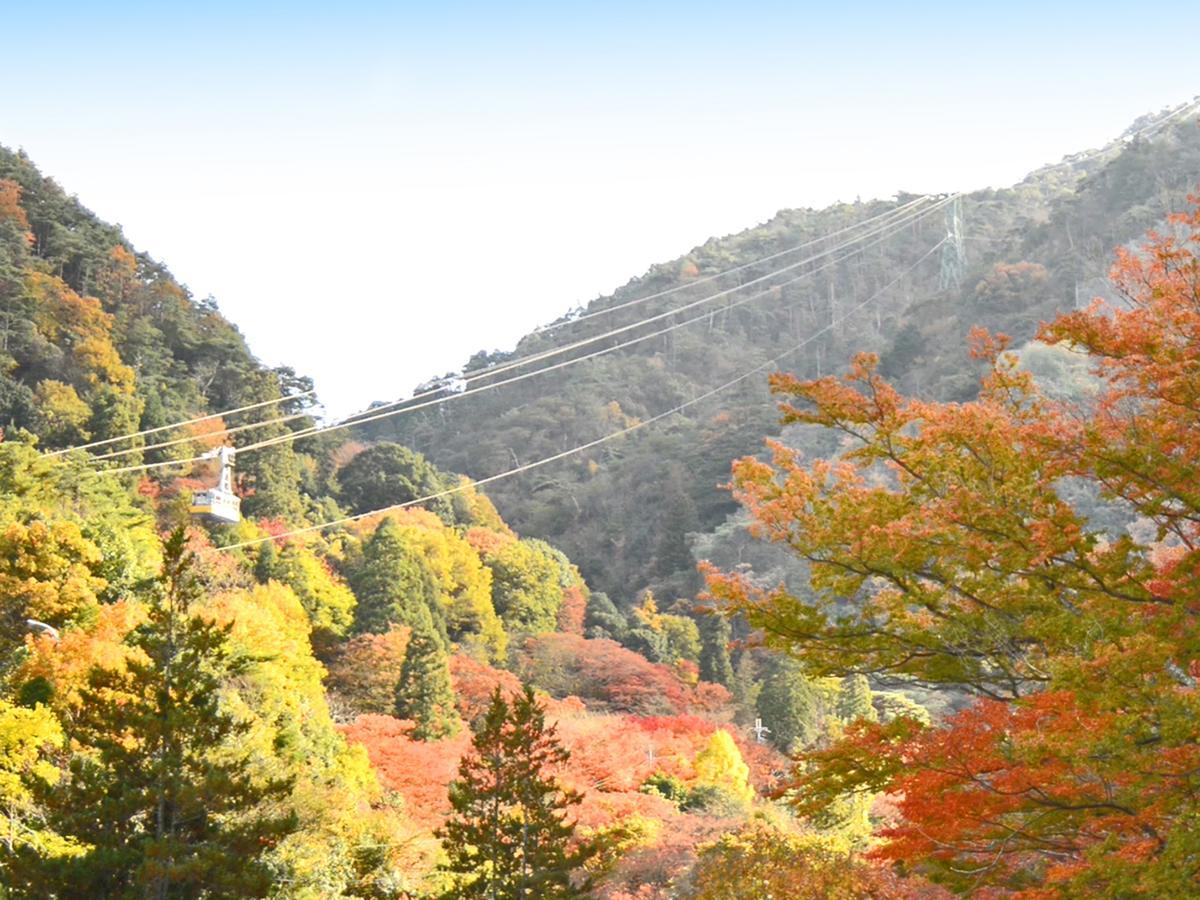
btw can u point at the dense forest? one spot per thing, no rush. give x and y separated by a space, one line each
934 636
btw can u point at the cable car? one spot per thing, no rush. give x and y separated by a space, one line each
219 503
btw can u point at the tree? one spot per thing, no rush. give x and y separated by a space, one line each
328 602
424 693
715 635
573 611
508 836
610 677
760 860
854 699
28 738
49 572
1071 771
528 580
393 581
604 619
789 706
364 671
677 517
664 637
720 765
389 474
161 808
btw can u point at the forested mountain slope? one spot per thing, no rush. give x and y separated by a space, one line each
622 511
296 697
99 340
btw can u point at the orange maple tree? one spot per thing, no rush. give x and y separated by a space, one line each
944 552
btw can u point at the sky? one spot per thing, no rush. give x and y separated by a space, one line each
374 191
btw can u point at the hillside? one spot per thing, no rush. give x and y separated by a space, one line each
177 693
384 672
623 511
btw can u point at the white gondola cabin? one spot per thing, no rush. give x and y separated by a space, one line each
219 503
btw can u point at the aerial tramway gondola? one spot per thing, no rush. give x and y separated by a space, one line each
219 503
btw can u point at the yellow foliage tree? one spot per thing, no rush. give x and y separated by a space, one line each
720 764
289 730
26 735
48 572
62 416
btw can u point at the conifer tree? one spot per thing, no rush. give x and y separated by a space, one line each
788 706
854 699
154 788
745 688
508 837
424 692
393 582
715 665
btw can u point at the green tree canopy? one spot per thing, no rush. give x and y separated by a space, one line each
388 474
508 837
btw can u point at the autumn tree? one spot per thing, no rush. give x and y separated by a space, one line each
161 810
327 600
28 741
364 671
509 835
762 860
947 527
720 768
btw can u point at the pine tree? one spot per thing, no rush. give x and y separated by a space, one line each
854 700
677 518
393 582
424 692
508 837
745 689
715 634
153 787
789 706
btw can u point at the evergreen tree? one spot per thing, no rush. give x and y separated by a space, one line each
424 693
603 619
150 788
789 706
745 688
715 635
387 474
508 837
393 582
854 699
677 518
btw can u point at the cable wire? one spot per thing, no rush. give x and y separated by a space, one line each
199 437
479 373
553 326
145 431
565 348
362 420
598 441
387 410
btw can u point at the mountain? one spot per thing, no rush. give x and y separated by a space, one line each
297 698
623 510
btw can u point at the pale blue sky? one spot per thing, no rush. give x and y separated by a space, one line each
374 191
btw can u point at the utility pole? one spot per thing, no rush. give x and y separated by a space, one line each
760 731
